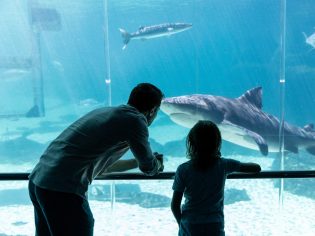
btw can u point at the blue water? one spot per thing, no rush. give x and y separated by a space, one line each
233 46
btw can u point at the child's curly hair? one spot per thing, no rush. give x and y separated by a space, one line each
203 144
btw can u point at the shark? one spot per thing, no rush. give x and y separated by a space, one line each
241 121
154 31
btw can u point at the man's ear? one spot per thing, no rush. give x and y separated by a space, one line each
152 111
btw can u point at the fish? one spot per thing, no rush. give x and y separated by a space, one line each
310 40
14 74
241 121
154 31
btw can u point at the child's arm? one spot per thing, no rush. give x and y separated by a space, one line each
249 167
175 205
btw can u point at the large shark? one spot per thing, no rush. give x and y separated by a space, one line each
241 121
154 31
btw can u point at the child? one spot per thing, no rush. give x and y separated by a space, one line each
201 180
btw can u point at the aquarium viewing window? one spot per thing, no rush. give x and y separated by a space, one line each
249 66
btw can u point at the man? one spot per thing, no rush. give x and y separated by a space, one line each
89 147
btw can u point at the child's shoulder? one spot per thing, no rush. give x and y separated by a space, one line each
184 165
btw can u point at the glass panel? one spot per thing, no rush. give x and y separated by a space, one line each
300 74
72 66
60 59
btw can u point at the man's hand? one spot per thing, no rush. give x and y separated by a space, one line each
159 157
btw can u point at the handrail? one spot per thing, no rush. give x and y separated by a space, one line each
170 175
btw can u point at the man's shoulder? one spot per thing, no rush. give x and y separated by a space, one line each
131 116
231 164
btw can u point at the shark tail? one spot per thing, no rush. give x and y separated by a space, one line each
311 150
126 36
305 36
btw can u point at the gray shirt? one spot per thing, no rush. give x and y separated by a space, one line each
203 190
90 145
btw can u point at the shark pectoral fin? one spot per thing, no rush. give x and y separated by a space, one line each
311 150
260 141
126 37
239 134
291 148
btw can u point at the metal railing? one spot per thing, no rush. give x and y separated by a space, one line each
170 175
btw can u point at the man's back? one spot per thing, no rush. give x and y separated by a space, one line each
87 147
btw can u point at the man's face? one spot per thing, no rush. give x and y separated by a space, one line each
151 115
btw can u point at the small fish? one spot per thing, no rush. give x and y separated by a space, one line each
89 102
310 39
58 66
154 31
13 74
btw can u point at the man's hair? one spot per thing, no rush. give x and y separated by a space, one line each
145 97
203 144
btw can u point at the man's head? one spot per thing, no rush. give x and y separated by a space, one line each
147 99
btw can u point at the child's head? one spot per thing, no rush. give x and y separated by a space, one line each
203 144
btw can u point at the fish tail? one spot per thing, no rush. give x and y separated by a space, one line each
126 36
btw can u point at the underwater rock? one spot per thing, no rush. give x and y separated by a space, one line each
235 195
172 148
152 200
18 223
20 150
175 148
129 193
122 191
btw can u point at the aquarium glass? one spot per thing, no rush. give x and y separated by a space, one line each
254 59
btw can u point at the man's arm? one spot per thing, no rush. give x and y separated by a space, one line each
175 205
250 167
138 139
121 165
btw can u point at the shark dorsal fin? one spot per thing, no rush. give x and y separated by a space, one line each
253 96
309 127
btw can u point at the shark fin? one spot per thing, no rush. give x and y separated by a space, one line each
291 148
126 36
247 135
311 150
253 96
309 127
33 112
260 141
